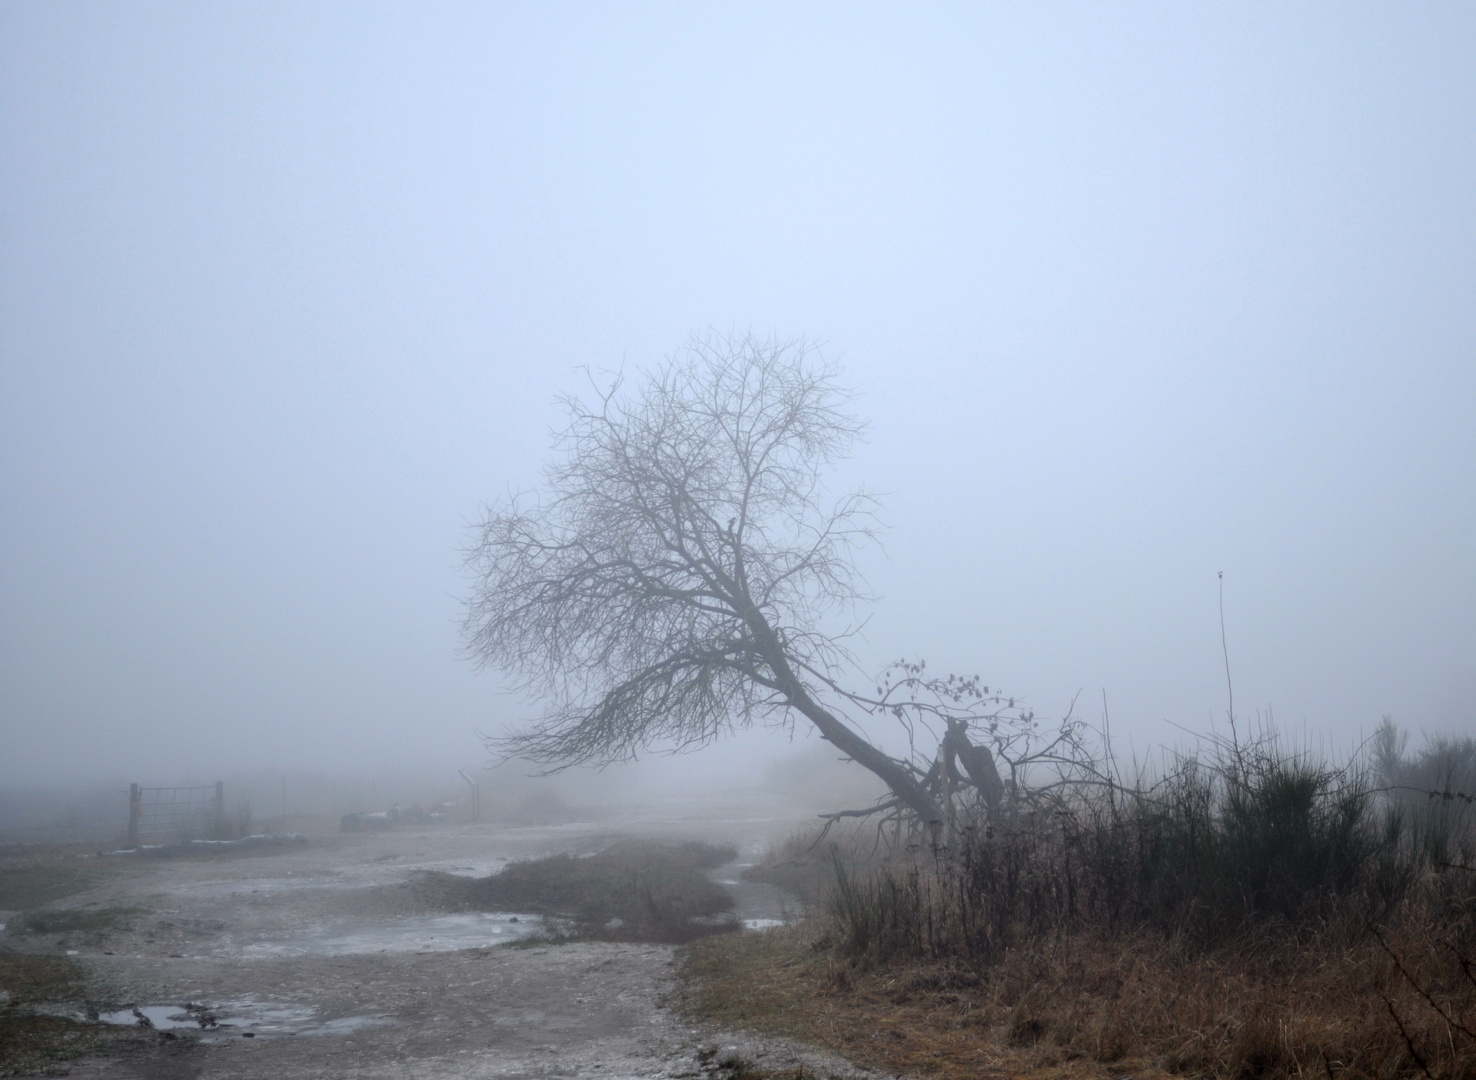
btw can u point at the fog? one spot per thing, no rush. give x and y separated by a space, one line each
1130 295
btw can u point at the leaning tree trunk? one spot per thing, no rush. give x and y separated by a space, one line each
909 792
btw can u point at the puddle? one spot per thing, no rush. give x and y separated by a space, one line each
428 933
478 868
392 868
756 904
243 1019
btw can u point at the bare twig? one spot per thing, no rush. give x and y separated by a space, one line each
1408 1042
1399 966
1225 648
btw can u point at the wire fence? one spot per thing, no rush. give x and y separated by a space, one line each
162 814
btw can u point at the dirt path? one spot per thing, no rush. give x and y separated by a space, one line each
324 960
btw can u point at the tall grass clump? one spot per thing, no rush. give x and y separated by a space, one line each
634 890
882 916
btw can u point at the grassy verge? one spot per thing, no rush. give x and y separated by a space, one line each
918 1020
84 920
1081 1006
35 882
717 1065
31 980
32 1042
632 891
1258 916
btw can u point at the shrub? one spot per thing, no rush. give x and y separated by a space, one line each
631 891
1250 839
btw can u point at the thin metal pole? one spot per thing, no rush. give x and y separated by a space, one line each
1224 648
476 795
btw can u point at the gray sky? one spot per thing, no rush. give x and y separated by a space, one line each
1131 293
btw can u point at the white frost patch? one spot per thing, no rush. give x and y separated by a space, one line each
236 1019
430 933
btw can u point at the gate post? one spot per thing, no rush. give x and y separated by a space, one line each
135 811
476 795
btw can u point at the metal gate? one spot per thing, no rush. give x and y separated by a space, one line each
160 814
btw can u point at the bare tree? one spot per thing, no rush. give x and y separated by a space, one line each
675 580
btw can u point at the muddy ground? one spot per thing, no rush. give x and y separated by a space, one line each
325 959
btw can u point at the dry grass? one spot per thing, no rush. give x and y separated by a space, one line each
1082 1006
1262 915
31 876
28 980
913 1021
719 1066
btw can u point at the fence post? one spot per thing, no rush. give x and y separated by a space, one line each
135 811
220 830
476 795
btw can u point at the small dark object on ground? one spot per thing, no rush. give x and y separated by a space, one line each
203 1014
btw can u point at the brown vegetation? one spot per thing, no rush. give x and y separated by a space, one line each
1082 1005
34 1044
32 875
1250 916
631 891
31 1041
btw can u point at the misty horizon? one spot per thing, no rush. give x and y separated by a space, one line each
1128 297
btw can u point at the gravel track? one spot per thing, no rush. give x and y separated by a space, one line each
335 934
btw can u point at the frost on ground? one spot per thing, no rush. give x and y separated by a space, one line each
588 1009
321 933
